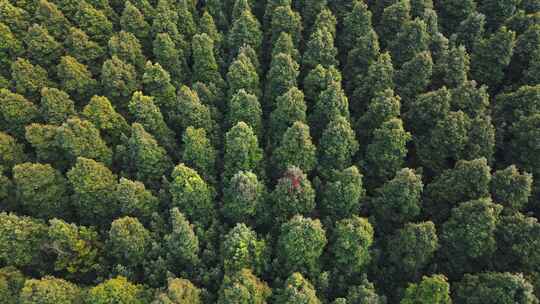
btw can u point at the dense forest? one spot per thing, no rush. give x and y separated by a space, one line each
269 151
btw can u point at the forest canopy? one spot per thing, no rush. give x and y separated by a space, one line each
269 151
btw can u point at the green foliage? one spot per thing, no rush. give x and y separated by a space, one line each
75 78
243 249
104 117
128 241
285 20
290 108
245 107
300 245
179 291
135 200
28 78
410 41
243 287
41 47
20 240
11 282
56 106
41 191
243 198
93 187
205 67
297 290
86 51
10 46
181 245
117 290
280 78
49 290
119 80
133 21
11 152
511 188
127 48
434 289
76 248
296 149
337 146
245 30
171 57
191 194
242 152
292 195
414 76
199 154
494 287
16 112
94 22
352 239
320 49
190 111
242 75
343 194
157 83
398 201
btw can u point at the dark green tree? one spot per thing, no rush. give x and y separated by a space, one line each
434 289
393 19
181 245
342 195
158 84
243 287
16 112
94 22
244 198
127 48
246 30
243 74
290 108
284 44
337 146
171 57
190 111
80 46
12 152
128 241
300 245
199 153
285 20
295 149
245 107
351 242
41 47
205 67
522 150
28 78
93 186
119 80
297 290
52 18
511 188
414 77
102 114
320 49
330 104
280 78
292 195
76 79
10 47
241 152
135 200
243 249
453 12
133 21
21 239
119 289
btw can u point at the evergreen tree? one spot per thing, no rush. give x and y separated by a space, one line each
318 80
343 195
199 153
292 195
434 289
181 245
383 107
290 108
133 21
128 241
494 287
127 48
119 80
241 152
243 287
300 245
285 20
21 239
191 194
284 44
158 84
246 30
41 191
330 104
297 290
511 188
10 47
205 67
76 79
414 76
393 19
119 289
242 249
453 12
143 158
244 198
49 290
28 78
179 291
245 107
280 78
320 49
93 187
171 57
242 74
12 152
337 147
135 200
190 111
295 149
351 244
48 15
81 47
104 117
16 112
94 22
41 47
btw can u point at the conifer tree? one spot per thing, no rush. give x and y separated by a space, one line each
284 44
133 21
343 195
199 153
297 290
12 152
320 49
243 287
414 77
330 104
244 198
135 200
16 112
280 78
351 244
285 20
127 48
337 146
82 48
28 79
243 249
393 19
119 80
245 107
292 195
10 47
190 111
434 289
41 47
205 67
290 108
243 74
318 80
94 22
52 19
384 106
179 291
295 149
157 83
181 245
49 290
104 117
511 188
246 30
171 57
410 41
242 152
76 79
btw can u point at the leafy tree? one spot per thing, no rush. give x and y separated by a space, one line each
135 200
352 239
320 49
52 19
29 79
181 245
280 78
199 153
21 239
494 287
119 79
468 237
523 151
40 190
78 137
379 78
337 146
331 104
243 287
491 56
245 107
434 289
179 291
343 194
205 67
297 290
468 180
242 75
145 112
245 30
133 21
118 289
511 188
242 249
127 48
94 22
412 247
290 108
75 78
11 152
143 158
364 293
295 149
300 245
285 20
241 152
157 83
190 111
56 106
292 195
414 76
456 67
42 138
93 186
76 248
16 18
82 48
11 282
103 116
41 47
385 154
171 57
243 198
49 290
11 47
128 241
497 13
398 201
427 109
191 194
